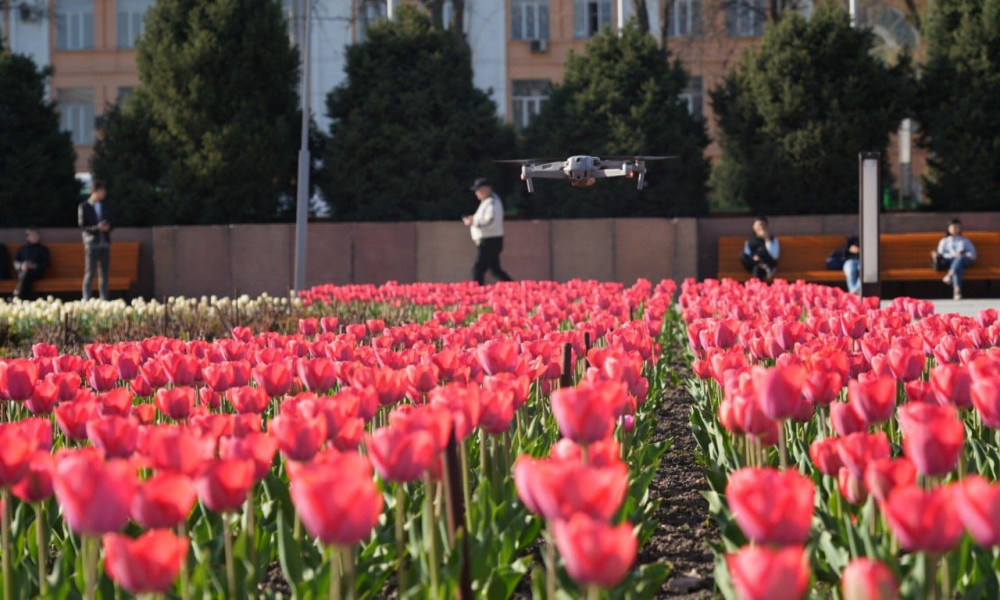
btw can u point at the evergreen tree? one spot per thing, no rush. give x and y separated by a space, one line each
37 182
217 100
621 97
960 104
796 113
409 131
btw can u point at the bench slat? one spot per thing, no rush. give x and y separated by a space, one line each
65 272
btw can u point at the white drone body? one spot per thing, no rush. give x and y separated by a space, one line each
583 170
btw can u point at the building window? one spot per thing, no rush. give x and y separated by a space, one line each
745 18
694 97
129 24
529 19
76 114
685 18
369 12
527 96
74 24
590 17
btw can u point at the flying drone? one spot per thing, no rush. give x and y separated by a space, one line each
583 171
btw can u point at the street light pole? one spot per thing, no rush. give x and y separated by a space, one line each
302 180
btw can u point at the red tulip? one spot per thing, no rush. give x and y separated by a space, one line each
924 521
978 504
177 449
599 454
867 579
116 402
308 327
117 437
950 383
932 437
144 414
875 400
275 378
550 487
66 383
498 410
16 451
43 398
223 484
906 364
858 449
400 455
255 446
94 494
851 487
985 394
822 387
36 484
594 552
499 356
336 497
329 324
17 379
779 390
422 379
176 402
771 506
762 573
319 375
181 369
845 419
884 475
587 414
147 564
72 418
825 456
102 377
299 436
248 399
163 501
463 410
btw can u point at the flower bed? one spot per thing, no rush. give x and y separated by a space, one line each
849 449
455 441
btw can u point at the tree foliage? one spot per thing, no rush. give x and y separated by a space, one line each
409 130
214 116
796 113
620 97
960 104
37 183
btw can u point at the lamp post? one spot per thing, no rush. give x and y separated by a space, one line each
869 165
302 180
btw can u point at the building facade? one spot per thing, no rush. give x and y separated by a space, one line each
519 48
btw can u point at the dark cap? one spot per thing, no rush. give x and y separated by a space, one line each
478 183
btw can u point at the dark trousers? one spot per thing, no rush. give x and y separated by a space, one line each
100 257
25 282
488 259
757 267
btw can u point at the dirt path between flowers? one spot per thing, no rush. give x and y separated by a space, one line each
685 526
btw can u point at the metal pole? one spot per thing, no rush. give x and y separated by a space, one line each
853 9
621 16
302 195
390 8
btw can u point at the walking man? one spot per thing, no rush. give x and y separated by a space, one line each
486 226
94 218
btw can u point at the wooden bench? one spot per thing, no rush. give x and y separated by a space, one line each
65 272
903 257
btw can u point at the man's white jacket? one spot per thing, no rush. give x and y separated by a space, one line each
488 220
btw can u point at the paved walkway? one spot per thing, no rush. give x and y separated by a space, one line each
969 308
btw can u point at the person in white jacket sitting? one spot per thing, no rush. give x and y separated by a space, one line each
957 252
486 226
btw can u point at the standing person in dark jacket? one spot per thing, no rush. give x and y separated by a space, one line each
94 218
760 252
30 263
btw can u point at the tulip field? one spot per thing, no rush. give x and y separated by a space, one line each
436 441
851 451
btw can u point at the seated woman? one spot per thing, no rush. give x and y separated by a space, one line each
760 252
852 264
957 252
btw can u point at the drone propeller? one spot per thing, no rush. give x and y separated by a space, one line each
528 161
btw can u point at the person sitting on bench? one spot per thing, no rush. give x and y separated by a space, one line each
760 252
30 263
956 252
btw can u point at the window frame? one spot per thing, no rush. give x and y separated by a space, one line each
539 11
73 25
76 115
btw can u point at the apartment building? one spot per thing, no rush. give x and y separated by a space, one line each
519 47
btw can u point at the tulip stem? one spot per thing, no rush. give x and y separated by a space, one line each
930 576
466 491
400 543
182 533
593 592
42 549
6 542
550 562
227 540
430 535
250 513
347 568
335 570
782 446
90 551
945 577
